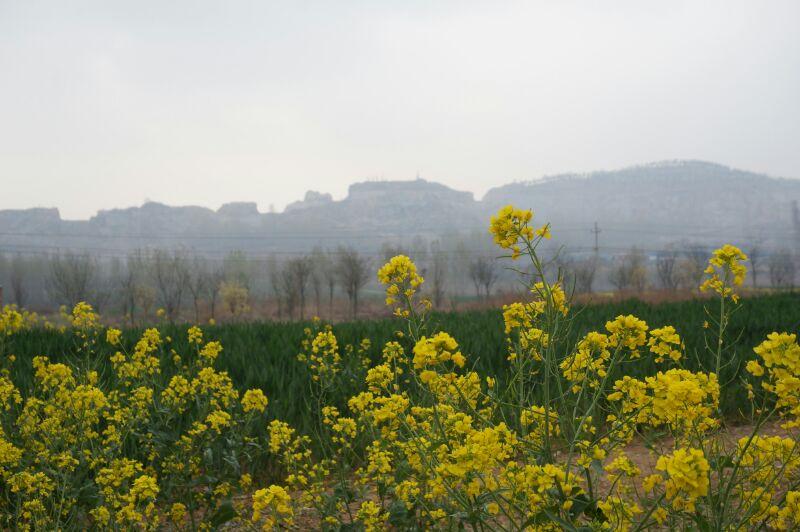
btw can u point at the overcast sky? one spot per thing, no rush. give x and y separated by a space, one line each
105 104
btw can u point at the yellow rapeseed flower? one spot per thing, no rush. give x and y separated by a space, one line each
687 477
725 270
254 400
509 226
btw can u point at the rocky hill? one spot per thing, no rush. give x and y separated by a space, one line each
650 206
659 203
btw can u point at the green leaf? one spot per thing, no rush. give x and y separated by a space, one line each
208 456
721 462
225 512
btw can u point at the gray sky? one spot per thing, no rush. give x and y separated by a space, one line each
104 104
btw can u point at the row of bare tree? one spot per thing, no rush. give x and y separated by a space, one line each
318 275
673 269
195 286
175 281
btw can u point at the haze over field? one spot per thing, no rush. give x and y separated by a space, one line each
107 104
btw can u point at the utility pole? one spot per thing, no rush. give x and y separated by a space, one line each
596 232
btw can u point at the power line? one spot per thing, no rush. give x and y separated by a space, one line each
658 229
108 253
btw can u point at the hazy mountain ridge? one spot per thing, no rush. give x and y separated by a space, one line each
672 201
649 205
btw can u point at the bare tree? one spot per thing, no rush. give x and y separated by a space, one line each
438 275
145 298
584 272
288 290
483 273
71 277
198 280
17 274
299 270
317 276
316 287
216 276
460 266
490 275
781 269
666 263
619 275
390 250
128 283
237 268
170 273
103 287
693 265
475 276
630 271
755 255
353 270
274 278
330 276
575 272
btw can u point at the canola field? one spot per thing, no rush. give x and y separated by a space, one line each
263 354
520 419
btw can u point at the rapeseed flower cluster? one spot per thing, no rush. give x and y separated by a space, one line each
128 449
587 365
402 283
83 317
687 477
628 332
665 343
551 296
272 508
683 401
437 350
725 271
13 320
780 373
510 227
321 353
518 316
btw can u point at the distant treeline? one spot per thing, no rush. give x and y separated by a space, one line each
337 283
